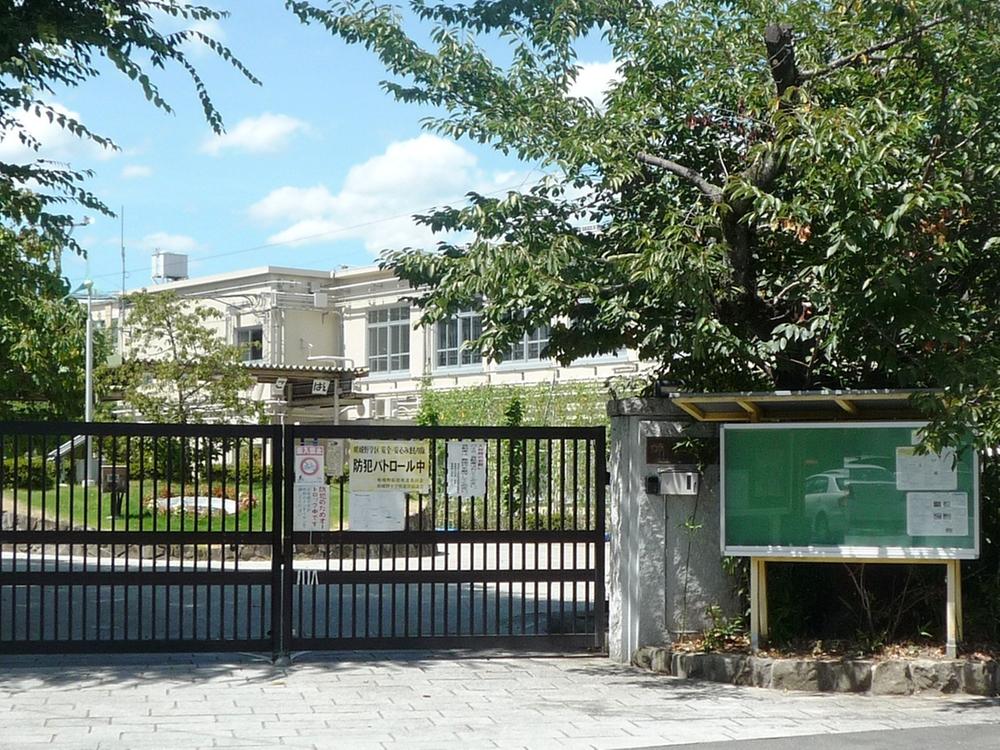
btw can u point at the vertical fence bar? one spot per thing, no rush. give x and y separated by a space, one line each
281 464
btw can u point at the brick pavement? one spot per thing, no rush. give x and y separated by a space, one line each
416 700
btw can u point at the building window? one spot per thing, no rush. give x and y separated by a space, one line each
453 340
251 340
389 339
530 347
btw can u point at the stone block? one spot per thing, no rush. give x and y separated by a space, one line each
846 676
979 677
684 665
643 657
661 660
936 676
793 674
760 671
891 678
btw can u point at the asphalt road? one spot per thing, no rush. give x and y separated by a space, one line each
963 737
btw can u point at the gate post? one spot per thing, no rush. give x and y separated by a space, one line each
666 563
277 551
287 550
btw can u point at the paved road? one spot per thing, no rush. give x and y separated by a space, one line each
424 700
227 611
968 737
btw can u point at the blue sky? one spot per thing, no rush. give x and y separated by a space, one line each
319 168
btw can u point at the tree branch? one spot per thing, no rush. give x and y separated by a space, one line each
856 57
712 191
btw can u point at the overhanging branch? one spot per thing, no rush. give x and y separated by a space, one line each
861 55
712 191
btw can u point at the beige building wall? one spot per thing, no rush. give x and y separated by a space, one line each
312 317
394 395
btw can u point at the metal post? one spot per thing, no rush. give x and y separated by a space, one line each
88 382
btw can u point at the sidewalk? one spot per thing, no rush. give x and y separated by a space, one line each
416 700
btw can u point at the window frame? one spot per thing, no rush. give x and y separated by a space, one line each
396 332
464 356
248 345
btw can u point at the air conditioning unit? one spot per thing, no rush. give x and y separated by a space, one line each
321 300
383 407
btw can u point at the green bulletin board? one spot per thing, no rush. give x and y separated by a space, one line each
853 490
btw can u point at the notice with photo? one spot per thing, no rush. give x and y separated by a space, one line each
937 513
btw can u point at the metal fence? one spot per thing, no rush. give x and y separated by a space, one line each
183 537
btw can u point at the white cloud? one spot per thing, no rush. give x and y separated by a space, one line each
57 143
171 243
135 171
265 133
594 79
379 196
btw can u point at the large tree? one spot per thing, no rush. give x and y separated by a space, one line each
793 194
41 334
47 46
176 368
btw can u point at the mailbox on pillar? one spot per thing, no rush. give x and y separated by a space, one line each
671 469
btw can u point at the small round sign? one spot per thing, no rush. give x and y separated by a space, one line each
309 467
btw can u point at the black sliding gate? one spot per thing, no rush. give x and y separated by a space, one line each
186 538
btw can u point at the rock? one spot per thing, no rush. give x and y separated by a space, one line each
661 660
684 665
643 657
936 676
891 678
792 674
760 671
847 676
978 677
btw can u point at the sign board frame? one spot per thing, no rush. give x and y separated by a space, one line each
883 553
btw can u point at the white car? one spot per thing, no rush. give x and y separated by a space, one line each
826 505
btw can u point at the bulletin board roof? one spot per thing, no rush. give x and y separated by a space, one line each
791 406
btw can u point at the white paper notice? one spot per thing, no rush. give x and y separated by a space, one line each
467 469
311 507
377 511
930 471
937 513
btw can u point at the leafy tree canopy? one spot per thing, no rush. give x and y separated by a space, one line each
41 334
47 46
176 368
774 194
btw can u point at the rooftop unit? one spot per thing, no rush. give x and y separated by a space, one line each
169 266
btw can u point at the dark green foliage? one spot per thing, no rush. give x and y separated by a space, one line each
36 474
41 334
981 578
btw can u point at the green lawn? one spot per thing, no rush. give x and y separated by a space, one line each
77 505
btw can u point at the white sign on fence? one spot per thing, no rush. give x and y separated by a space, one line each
467 469
377 511
309 462
311 507
390 465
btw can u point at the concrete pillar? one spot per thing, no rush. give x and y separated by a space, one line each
665 560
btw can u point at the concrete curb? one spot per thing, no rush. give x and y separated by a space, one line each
893 677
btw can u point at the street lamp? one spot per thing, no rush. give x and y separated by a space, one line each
57 251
